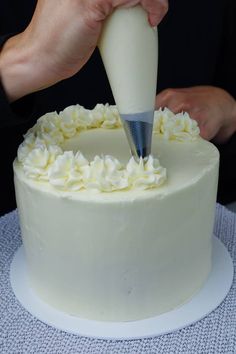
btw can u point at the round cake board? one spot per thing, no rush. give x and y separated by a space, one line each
206 300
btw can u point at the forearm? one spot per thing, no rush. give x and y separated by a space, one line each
223 112
229 128
20 68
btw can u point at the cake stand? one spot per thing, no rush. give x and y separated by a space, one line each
206 300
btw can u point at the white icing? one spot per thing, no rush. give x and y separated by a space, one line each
144 175
66 171
172 126
126 53
105 174
120 256
42 157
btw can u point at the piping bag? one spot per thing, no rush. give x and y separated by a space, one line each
129 49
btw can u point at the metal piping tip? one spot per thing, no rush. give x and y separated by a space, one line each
138 128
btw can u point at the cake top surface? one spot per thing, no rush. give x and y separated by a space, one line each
54 151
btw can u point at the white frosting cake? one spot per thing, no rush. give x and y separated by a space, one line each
107 238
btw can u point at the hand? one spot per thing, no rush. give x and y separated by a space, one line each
156 9
213 108
59 40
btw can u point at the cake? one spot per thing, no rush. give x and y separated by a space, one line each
107 237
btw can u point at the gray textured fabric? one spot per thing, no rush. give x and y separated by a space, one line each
22 333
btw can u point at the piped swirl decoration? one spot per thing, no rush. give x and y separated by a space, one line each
43 159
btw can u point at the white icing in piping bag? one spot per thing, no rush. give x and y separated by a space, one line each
129 50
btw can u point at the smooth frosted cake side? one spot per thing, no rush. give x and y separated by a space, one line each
107 238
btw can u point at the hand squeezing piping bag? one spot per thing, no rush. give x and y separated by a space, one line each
129 50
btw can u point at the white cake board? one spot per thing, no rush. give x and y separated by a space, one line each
205 301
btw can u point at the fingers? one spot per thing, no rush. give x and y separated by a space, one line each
174 99
125 3
156 9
